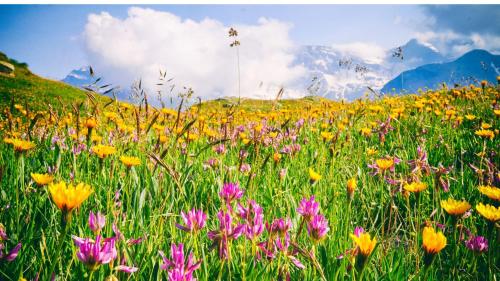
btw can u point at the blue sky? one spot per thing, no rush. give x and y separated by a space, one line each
47 37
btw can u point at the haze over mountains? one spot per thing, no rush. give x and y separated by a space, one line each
338 74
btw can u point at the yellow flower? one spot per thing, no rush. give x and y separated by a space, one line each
276 157
365 132
489 212
69 197
485 126
497 112
415 187
19 144
485 133
102 151
491 192
313 176
130 161
470 117
327 136
455 207
42 179
371 151
365 243
433 242
385 163
351 186
90 123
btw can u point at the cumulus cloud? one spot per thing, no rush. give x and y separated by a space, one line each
367 52
195 53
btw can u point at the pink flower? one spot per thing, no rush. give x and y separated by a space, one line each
318 227
94 253
178 268
96 222
358 231
225 232
194 221
230 191
477 244
308 208
254 219
280 226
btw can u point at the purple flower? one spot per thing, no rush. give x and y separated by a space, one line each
421 163
245 168
194 221
254 219
280 226
477 244
220 149
271 248
178 268
12 255
318 227
308 208
96 222
358 231
230 191
225 232
95 253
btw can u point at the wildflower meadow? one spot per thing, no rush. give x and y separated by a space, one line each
393 188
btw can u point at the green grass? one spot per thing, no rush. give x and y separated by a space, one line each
152 195
26 88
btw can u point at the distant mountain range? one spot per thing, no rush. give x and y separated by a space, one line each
334 74
472 67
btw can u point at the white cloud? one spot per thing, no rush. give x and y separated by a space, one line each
368 52
195 53
453 44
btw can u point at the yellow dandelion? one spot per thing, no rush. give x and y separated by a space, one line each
69 197
42 179
490 191
103 151
433 242
130 161
455 207
415 187
385 163
488 211
365 243
313 176
485 133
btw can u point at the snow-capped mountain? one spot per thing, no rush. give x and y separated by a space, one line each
79 77
472 67
335 74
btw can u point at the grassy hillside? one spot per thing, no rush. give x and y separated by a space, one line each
29 89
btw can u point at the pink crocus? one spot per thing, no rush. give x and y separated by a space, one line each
358 231
230 191
179 269
279 226
95 253
227 231
308 208
194 221
317 227
254 219
96 222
